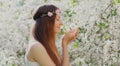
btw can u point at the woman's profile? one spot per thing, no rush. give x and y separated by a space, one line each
44 52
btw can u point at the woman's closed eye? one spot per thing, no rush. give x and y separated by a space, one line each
58 19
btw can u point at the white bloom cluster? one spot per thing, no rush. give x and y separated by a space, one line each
98 42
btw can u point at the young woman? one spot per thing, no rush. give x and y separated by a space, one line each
44 52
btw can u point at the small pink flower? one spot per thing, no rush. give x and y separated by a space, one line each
57 11
50 14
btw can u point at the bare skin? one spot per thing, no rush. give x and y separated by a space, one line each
43 58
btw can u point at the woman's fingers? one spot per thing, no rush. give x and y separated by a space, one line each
71 35
76 33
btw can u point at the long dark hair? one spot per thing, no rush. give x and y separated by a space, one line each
44 33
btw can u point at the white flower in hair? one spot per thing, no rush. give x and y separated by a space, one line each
50 14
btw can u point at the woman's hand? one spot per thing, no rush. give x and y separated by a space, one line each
70 36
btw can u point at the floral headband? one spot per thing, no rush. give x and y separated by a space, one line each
51 13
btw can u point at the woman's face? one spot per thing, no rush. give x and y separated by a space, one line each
58 24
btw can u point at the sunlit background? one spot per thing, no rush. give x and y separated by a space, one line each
98 42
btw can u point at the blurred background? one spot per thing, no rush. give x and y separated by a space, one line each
98 41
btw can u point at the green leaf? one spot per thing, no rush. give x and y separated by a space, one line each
64 27
108 16
69 13
74 2
118 51
102 25
107 36
76 44
113 2
13 64
114 12
112 65
62 32
79 63
118 1
27 38
45 0
87 62
82 30
19 53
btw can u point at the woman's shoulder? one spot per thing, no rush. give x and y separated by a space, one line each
37 50
37 46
